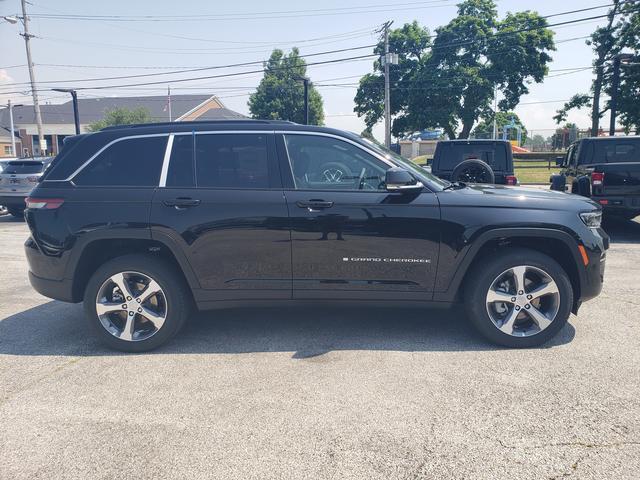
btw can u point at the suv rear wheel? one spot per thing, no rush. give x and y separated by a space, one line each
520 298
136 303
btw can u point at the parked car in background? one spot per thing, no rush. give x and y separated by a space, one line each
3 209
142 222
474 161
17 179
605 169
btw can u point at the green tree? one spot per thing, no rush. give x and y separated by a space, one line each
121 116
604 41
450 82
485 128
280 94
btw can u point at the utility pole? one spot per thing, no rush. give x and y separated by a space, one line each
13 136
169 102
387 87
36 106
305 80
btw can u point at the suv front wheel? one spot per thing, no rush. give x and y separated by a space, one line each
520 298
136 303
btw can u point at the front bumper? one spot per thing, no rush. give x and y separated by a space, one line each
593 273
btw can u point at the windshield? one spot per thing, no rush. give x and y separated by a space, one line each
408 164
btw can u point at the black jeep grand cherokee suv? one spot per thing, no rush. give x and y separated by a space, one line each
143 222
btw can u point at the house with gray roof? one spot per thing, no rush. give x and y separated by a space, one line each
58 121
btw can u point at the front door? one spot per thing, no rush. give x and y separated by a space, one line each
350 237
222 203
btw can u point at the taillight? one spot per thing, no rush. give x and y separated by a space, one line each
511 180
32 179
43 203
597 178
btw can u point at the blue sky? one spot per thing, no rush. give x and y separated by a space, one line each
248 32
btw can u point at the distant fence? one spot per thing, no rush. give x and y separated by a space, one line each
536 157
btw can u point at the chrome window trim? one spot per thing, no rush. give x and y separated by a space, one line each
167 155
165 161
339 137
330 135
112 142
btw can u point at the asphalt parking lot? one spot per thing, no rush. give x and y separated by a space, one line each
327 393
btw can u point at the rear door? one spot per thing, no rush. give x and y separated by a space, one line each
350 237
622 169
220 201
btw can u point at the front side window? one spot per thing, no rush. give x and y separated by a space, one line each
133 162
325 163
232 161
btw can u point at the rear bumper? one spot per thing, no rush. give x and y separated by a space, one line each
46 274
13 200
56 289
613 204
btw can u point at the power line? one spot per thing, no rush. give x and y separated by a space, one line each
252 15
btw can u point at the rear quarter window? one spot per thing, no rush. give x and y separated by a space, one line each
133 162
622 152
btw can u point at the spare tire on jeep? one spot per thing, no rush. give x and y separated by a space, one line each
473 170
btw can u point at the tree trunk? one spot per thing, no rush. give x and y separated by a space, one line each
466 129
451 133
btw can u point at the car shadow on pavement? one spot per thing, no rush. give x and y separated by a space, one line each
11 219
57 328
622 231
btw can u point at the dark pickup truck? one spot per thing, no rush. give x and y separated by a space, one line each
607 170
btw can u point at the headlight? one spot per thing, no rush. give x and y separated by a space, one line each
592 219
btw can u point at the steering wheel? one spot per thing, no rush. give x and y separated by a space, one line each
335 172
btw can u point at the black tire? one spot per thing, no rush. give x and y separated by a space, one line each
16 212
174 288
484 169
481 278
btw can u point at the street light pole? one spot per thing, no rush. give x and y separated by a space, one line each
74 98
36 105
387 89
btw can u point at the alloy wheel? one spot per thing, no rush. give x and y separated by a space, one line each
523 301
131 306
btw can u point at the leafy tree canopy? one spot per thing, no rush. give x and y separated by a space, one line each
280 95
621 34
448 80
121 116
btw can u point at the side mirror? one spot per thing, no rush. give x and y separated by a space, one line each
400 180
559 161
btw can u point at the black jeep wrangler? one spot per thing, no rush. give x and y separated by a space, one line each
143 223
474 161
605 169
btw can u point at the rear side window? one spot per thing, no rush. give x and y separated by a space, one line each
622 153
453 155
134 162
232 161
23 168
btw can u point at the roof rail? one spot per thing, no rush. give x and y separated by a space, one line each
249 121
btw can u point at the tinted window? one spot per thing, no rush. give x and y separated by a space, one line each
325 163
232 161
24 168
180 173
133 162
454 154
621 152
